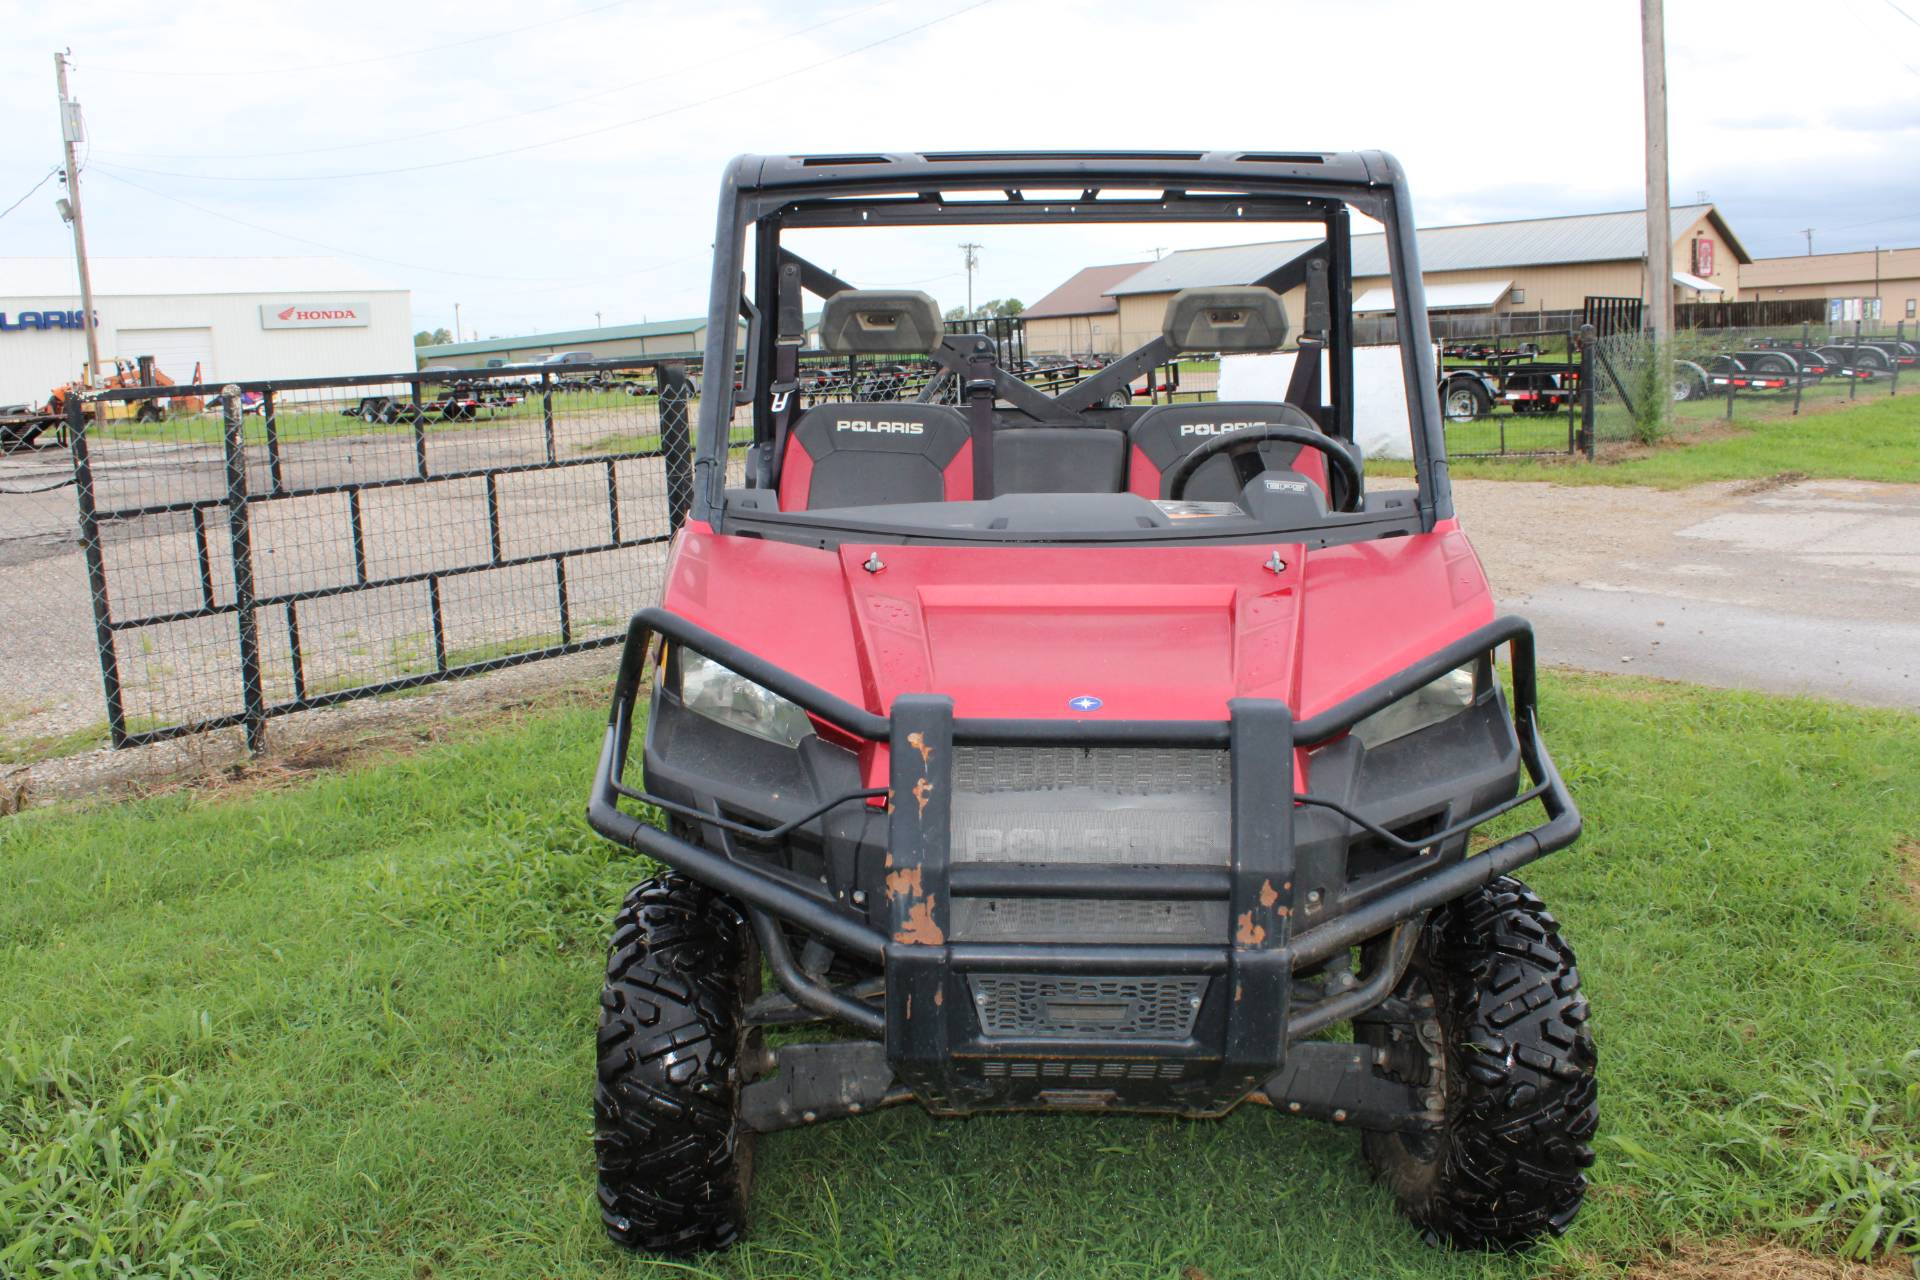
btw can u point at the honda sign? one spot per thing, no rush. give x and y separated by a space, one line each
314 315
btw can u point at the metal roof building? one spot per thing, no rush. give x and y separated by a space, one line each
1530 264
609 342
1080 315
217 318
1530 242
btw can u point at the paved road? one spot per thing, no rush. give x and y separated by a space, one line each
1807 588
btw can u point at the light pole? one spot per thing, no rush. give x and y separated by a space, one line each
973 259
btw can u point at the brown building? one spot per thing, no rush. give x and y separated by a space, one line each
1873 284
1079 316
1529 265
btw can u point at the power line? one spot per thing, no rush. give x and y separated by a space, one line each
361 62
30 190
730 57
1903 13
392 262
572 137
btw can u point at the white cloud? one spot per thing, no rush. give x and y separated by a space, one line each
1501 109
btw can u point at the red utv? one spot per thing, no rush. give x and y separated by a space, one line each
1066 754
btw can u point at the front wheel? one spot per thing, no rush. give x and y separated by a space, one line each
672 1157
1489 1023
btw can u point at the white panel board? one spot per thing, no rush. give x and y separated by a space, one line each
1379 394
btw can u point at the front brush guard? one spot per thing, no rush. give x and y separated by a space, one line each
1248 1025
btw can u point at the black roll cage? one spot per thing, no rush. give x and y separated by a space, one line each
764 195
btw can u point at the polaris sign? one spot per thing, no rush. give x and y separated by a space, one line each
314 315
45 320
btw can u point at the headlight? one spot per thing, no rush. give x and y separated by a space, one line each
728 698
1428 705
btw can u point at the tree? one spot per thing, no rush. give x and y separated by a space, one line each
431 338
991 307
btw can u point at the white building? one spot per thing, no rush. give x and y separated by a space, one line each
201 319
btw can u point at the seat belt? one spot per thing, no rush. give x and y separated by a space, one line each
1303 389
980 392
784 385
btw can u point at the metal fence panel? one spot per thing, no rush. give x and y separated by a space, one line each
261 548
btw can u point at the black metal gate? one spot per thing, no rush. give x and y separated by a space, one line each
260 548
1610 316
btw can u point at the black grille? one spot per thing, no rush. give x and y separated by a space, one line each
1105 805
1053 1069
1028 1005
1119 770
1088 920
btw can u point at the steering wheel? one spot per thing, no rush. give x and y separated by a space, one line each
1243 447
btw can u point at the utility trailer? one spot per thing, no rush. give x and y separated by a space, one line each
1517 378
22 425
462 402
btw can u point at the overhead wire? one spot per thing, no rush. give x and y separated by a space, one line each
735 92
360 62
566 281
682 69
44 178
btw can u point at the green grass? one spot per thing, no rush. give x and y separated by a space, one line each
52 746
1874 438
346 1030
296 422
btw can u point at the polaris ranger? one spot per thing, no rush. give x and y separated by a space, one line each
1064 754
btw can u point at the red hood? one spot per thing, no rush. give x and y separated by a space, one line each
1151 632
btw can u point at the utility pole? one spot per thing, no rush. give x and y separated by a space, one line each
596 319
72 132
1653 47
973 260
1158 250
456 322
1808 233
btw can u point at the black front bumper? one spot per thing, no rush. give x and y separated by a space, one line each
1238 1019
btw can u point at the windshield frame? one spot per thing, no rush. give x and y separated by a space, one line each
761 196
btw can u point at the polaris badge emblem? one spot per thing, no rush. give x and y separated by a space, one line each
883 427
1085 702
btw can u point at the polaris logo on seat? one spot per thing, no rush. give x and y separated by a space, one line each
1217 428
883 427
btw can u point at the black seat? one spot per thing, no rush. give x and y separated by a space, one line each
857 455
1166 433
1059 460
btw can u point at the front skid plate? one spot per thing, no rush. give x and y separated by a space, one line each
1322 1080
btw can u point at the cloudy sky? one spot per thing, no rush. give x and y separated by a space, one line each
539 164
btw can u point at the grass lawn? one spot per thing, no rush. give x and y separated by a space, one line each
301 420
345 1029
1876 437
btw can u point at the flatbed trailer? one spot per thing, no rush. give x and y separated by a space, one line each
22 426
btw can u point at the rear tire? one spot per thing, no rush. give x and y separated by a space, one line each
672 1158
1491 1018
1464 400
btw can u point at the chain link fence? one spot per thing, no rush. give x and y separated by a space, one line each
1766 371
268 547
